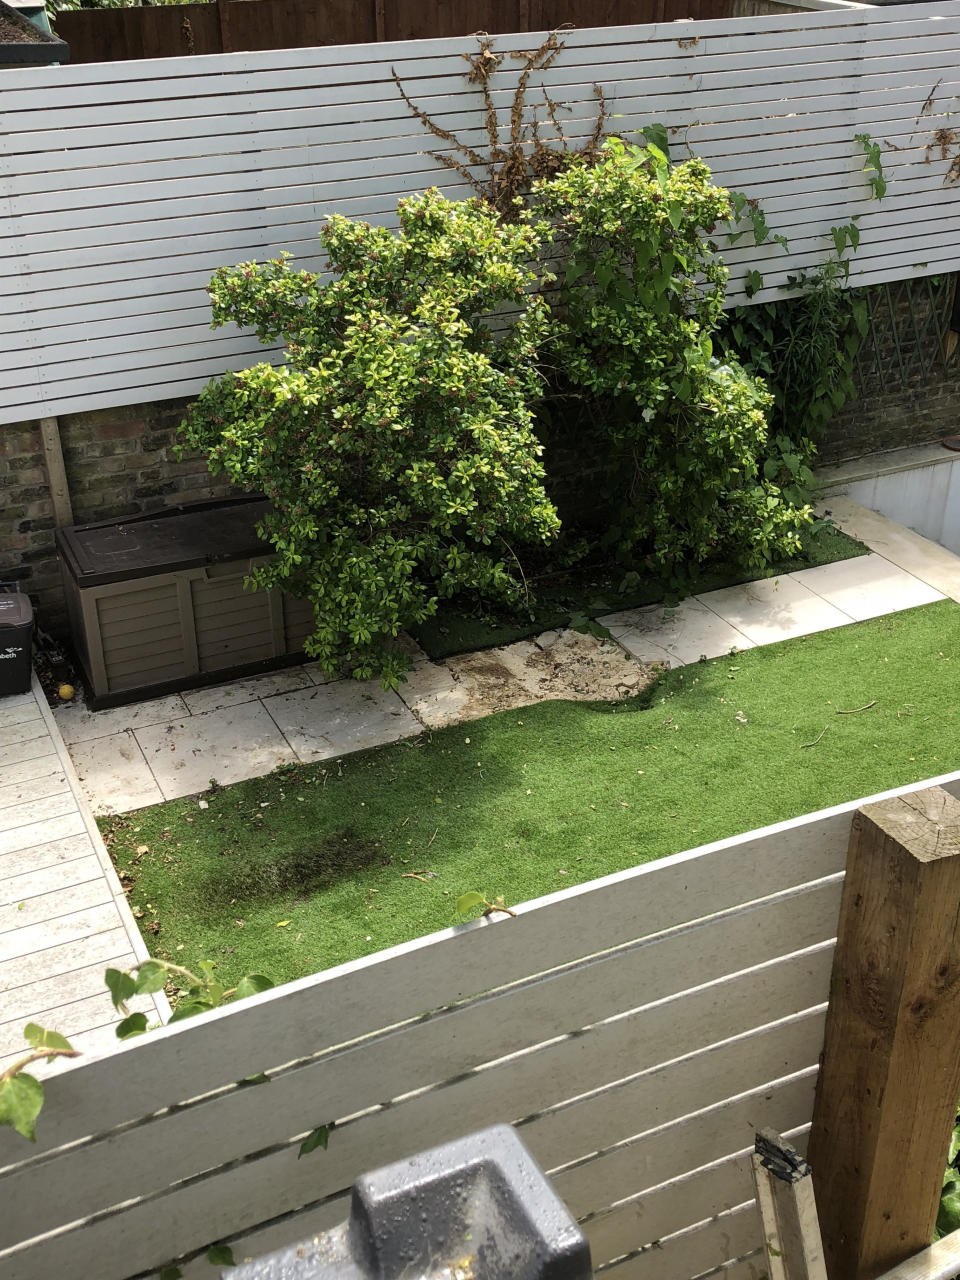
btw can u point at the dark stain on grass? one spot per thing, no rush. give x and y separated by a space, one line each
254 876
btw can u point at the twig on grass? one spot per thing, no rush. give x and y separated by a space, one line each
816 739
855 710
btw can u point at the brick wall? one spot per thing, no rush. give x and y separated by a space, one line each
908 393
119 462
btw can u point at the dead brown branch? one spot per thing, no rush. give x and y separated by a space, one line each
512 163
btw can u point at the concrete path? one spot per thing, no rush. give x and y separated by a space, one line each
162 749
63 914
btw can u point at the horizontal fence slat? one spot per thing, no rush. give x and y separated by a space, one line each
450 966
468 1037
249 151
695 1251
622 1101
221 1205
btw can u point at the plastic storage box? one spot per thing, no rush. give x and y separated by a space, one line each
157 603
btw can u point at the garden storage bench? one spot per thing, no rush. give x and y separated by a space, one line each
157 602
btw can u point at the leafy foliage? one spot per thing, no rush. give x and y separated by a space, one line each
874 166
642 296
396 440
319 1137
21 1094
948 1215
805 349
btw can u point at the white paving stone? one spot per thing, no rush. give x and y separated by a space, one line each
434 695
774 609
229 745
334 719
77 724
114 774
684 633
867 586
248 689
926 560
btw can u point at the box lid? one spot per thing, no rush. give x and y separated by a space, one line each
163 542
15 609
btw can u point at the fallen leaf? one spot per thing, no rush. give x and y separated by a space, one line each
282 924
142 849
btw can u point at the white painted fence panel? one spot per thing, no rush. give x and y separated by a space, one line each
124 185
637 1029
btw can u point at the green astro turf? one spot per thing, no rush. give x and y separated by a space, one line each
593 592
309 867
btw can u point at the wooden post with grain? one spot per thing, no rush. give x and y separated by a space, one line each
791 1233
890 1078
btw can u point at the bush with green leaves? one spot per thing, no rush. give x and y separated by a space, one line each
805 348
642 296
396 440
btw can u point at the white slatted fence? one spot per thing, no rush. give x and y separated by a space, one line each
124 185
638 1029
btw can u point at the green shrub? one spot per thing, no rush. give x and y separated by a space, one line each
396 440
642 295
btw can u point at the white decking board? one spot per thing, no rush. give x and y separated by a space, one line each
63 914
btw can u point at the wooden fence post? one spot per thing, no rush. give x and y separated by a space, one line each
56 471
890 1078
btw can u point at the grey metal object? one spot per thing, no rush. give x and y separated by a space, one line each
479 1208
16 640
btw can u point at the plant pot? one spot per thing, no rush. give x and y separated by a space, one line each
24 45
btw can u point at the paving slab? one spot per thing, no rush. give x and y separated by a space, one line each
248 689
774 609
333 719
434 695
867 586
685 632
229 745
926 560
78 724
114 773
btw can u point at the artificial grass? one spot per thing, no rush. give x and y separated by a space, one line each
586 592
315 865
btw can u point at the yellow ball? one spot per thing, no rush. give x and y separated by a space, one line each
66 692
